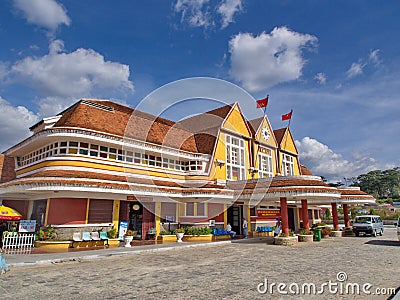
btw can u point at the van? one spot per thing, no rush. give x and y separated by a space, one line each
398 228
368 224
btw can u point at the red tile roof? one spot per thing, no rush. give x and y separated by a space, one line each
304 170
279 134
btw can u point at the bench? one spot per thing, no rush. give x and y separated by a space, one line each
93 236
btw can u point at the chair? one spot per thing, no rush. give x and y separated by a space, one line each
94 235
215 231
219 231
269 229
77 237
259 229
86 236
104 237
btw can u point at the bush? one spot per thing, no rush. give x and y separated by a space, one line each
326 231
112 233
165 233
47 233
305 232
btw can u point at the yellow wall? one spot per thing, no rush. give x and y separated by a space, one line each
235 122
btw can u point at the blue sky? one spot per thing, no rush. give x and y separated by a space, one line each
335 63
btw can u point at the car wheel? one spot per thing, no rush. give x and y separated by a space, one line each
374 233
381 232
357 233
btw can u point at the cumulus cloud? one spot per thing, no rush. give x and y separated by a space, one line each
355 70
60 75
14 123
194 12
268 59
227 9
320 78
323 161
48 14
358 67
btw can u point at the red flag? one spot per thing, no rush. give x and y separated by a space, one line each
287 116
262 103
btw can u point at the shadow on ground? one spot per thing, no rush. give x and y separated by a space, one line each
384 243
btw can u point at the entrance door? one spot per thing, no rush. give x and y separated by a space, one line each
234 217
291 218
136 217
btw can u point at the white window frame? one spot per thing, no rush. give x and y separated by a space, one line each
287 164
265 168
235 157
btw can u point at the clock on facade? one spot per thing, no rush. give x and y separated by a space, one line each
136 207
265 132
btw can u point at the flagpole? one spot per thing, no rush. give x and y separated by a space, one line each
265 107
291 111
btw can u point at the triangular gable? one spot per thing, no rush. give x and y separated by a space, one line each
285 140
262 129
236 122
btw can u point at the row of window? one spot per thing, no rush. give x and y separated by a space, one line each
94 150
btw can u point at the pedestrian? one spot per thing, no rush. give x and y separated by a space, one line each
3 264
229 230
277 227
245 229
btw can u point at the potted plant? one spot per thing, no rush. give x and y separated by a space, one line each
305 236
325 232
129 237
179 232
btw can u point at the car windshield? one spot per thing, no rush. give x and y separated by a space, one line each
363 220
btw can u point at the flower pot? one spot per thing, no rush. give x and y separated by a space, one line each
179 236
128 239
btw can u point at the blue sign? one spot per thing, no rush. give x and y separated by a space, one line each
123 227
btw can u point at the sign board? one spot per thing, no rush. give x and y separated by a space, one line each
211 223
123 227
169 218
268 213
27 226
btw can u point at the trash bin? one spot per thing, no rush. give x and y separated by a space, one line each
317 234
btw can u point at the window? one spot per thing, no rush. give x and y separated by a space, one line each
201 209
265 163
287 165
235 158
189 209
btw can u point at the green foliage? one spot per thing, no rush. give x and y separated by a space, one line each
165 233
179 230
326 231
130 233
381 184
112 233
47 233
372 211
197 230
305 232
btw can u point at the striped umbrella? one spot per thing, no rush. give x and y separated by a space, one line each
9 214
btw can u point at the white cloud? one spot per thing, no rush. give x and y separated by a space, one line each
194 12
44 13
268 59
320 77
227 9
78 74
14 123
355 70
322 161
374 57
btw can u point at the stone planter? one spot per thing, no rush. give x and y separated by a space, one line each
128 239
336 233
179 236
166 238
286 241
198 238
53 244
306 238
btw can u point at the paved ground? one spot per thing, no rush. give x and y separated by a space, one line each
212 271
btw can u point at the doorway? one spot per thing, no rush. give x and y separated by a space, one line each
291 218
234 215
136 217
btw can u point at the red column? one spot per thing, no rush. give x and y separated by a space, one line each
335 217
346 215
304 214
284 215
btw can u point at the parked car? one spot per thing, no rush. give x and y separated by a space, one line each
369 224
398 228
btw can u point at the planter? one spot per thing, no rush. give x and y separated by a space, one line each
128 239
336 233
179 236
286 241
167 238
53 244
325 236
198 238
306 238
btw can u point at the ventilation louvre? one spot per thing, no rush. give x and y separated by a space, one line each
97 105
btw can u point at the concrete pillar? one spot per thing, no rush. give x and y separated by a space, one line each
304 214
346 215
284 216
335 216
